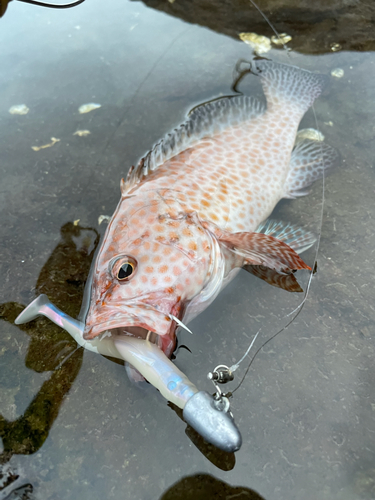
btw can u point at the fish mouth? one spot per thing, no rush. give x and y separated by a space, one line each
153 323
164 337
134 331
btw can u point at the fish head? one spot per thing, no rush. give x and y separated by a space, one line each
155 259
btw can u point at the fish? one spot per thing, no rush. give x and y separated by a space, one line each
195 210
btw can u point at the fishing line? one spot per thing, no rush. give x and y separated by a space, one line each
53 5
67 357
270 24
299 308
320 221
122 119
141 85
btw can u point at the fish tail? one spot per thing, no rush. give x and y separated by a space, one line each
284 84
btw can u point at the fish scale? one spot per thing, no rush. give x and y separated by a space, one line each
250 179
190 212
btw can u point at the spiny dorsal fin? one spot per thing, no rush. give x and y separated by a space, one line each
205 120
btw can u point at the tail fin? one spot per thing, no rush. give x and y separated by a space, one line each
288 83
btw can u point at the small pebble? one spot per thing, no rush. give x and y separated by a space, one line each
282 39
337 72
19 109
259 43
86 108
82 133
335 47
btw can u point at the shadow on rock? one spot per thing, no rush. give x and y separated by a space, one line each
206 487
63 279
221 459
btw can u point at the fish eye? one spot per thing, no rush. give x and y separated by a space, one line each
125 271
123 268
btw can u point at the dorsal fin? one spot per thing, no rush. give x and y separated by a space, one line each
205 120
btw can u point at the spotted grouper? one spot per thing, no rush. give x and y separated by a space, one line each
195 210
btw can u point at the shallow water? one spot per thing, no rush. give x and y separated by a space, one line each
82 430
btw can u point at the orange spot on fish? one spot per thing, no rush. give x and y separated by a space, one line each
174 223
149 269
192 245
167 251
176 270
163 269
173 235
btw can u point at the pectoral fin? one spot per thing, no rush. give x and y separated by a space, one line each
259 249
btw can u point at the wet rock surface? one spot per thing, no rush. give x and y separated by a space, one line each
316 27
82 430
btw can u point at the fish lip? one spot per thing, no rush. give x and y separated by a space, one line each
95 330
120 315
166 342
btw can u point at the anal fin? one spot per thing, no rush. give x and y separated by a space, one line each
294 236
